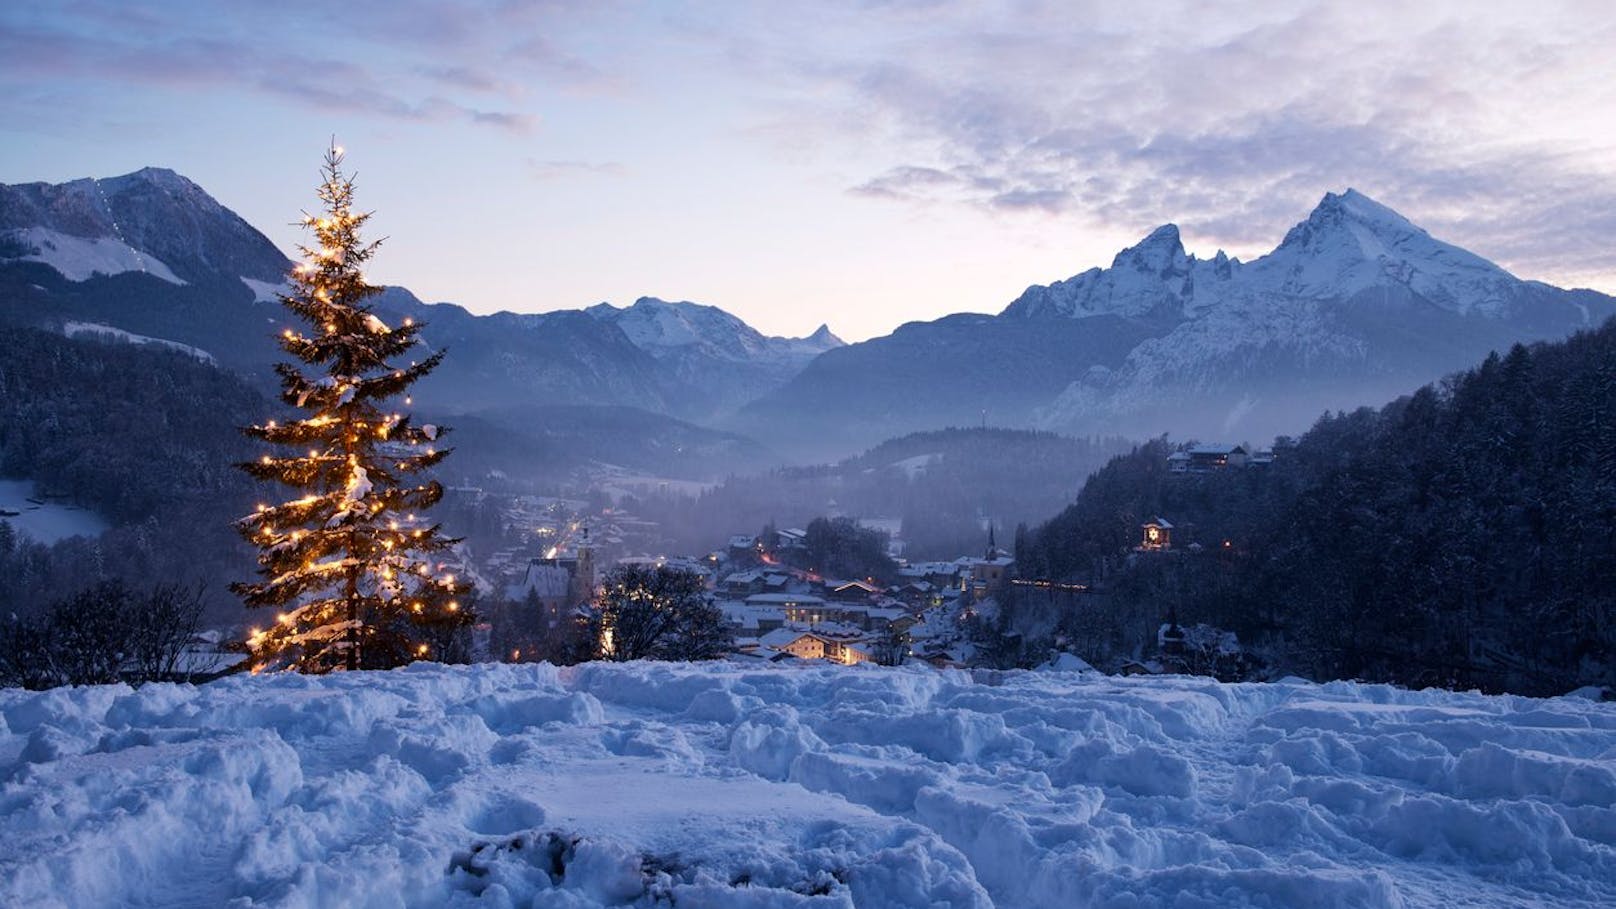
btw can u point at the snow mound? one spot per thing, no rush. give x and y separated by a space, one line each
726 786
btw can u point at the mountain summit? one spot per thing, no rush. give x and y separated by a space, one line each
710 350
153 221
1351 243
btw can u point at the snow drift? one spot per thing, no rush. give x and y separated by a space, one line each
718 786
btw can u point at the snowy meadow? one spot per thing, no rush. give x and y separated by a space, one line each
715 786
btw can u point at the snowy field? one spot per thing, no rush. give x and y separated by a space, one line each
724 786
45 521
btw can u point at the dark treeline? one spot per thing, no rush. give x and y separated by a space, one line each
1461 536
943 485
142 435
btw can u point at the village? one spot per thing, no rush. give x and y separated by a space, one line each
778 604
777 607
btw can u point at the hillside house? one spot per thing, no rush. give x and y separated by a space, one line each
1207 458
1156 535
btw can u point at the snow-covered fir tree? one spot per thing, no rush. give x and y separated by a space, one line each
349 562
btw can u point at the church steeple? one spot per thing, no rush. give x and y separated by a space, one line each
583 578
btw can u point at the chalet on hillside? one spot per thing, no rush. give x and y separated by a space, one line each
1207 458
1157 535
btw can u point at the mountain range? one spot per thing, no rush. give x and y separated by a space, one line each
1354 306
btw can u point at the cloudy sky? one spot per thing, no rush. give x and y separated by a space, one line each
862 164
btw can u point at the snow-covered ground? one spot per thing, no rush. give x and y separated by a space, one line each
720 786
43 520
109 333
82 258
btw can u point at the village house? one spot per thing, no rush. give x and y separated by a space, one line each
1157 535
853 592
797 607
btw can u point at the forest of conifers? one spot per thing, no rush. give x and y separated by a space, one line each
1463 536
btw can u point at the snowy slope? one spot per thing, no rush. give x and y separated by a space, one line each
152 220
108 333
1351 243
44 520
719 786
81 258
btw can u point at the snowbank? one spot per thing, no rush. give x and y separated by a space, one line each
725 786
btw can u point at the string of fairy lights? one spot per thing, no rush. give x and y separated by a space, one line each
339 532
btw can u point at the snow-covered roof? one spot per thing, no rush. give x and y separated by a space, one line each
548 582
784 599
784 637
860 585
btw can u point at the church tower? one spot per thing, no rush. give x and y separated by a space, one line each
583 576
994 552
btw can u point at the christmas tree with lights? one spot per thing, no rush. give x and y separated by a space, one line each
349 563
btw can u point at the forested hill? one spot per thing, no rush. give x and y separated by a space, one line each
143 435
1464 535
944 485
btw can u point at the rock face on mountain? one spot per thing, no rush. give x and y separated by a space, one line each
1356 305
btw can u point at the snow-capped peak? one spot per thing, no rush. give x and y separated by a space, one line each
1347 245
1351 243
1160 253
1154 277
662 328
824 339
